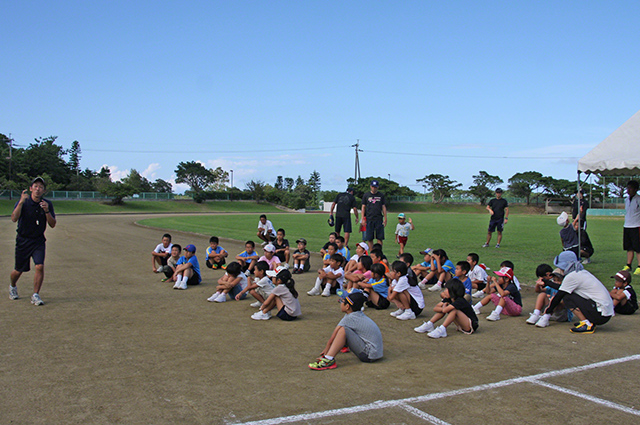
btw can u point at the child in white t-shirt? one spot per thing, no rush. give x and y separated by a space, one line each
402 231
330 277
261 287
232 283
161 254
407 298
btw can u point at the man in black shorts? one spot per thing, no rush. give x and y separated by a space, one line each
631 236
33 213
345 202
374 213
499 210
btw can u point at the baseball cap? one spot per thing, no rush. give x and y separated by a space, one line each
355 299
506 272
38 179
374 183
269 248
498 190
563 259
427 251
401 215
363 245
302 240
623 276
562 218
558 272
277 271
350 189
190 248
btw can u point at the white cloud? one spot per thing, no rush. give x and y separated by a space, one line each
150 171
116 173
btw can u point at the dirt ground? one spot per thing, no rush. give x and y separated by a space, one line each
113 344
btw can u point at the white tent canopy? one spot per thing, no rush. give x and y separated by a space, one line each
618 154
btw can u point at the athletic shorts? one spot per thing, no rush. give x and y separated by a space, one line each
194 280
343 222
235 291
283 315
357 345
263 292
403 240
163 261
496 224
413 304
472 324
511 308
211 263
631 239
587 307
26 249
627 308
375 230
383 303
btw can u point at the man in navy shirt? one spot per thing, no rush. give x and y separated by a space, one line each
33 213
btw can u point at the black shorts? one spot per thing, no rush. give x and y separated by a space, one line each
414 306
587 307
496 224
481 286
627 308
343 222
375 230
283 315
631 239
383 303
211 263
194 280
26 249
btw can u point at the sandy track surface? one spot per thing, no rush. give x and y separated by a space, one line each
115 345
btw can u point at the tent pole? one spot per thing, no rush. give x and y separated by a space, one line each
579 217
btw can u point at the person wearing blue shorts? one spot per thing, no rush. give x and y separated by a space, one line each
374 214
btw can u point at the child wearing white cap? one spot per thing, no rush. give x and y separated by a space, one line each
404 226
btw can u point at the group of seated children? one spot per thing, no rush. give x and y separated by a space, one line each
183 270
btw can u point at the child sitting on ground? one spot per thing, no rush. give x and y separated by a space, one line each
377 288
441 268
301 257
232 283
282 246
284 296
504 294
624 297
216 254
161 253
544 272
461 273
260 288
455 309
352 264
411 276
361 274
172 263
248 258
407 298
402 232
332 249
187 271
331 277
378 258
423 269
342 249
270 256
332 239
478 274
357 332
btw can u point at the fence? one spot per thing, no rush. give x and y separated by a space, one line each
87 196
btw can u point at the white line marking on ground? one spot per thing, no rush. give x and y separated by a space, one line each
434 396
423 415
604 402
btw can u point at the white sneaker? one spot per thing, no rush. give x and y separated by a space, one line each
13 292
213 297
396 313
182 285
176 285
439 332
425 327
259 315
533 318
264 243
327 291
314 291
478 294
494 316
422 286
476 310
543 322
436 287
407 315
485 245
36 300
255 304
221 298
160 269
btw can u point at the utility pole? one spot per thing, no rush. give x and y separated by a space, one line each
357 170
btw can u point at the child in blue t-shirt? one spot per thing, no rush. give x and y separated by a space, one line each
343 250
462 270
377 288
188 269
216 254
441 268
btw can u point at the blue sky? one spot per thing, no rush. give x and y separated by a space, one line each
286 87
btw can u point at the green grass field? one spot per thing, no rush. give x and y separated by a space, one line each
528 239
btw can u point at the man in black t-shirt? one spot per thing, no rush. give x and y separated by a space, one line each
374 214
33 213
499 210
344 203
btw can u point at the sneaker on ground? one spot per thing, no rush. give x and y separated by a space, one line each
36 300
314 291
183 285
221 298
494 316
396 313
476 310
533 318
160 269
259 315
425 327
626 268
478 294
407 315
436 287
345 349
176 285
255 304
543 322
497 245
486 245
439 332
583 328
164 279
422 286
215 267
13 292
223 267
327 291
213 297
637 272
323 364
586 261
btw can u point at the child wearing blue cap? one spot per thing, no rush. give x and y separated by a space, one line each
188 269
